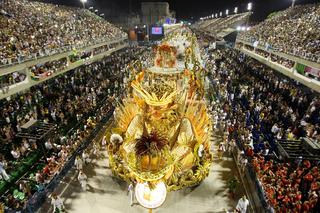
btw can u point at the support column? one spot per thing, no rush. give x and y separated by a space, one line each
68 60
28 74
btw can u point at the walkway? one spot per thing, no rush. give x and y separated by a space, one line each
106 194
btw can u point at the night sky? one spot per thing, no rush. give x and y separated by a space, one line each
187 9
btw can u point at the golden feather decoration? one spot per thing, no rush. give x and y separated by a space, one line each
197 114
125 114
152 99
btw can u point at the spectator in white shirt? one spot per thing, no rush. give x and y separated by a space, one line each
48 145
3 173
15 153
275 129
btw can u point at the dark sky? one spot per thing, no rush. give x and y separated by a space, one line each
185 9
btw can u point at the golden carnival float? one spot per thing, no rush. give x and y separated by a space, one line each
161 134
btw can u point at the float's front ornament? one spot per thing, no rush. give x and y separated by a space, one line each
161 138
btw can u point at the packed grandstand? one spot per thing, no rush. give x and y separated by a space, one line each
294 31
73 73
32 29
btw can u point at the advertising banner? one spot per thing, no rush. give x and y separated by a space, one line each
303 70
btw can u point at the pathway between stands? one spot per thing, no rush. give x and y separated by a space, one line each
107 194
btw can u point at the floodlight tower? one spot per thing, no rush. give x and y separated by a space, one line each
227 12
84 3
236 10
249 6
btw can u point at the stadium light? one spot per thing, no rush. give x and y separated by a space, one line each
216 15
84 3
220 14
236 10
249 6
227 12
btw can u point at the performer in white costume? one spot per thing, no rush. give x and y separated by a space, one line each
243 204
131 193
83 180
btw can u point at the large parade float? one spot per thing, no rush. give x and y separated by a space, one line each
161 134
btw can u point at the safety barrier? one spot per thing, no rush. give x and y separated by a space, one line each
248 175
50 52
265 46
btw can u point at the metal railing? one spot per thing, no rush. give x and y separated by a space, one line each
304 55
249 179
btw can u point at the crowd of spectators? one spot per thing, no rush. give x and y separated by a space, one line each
258 106
283 61
289 186
31 29
13 78
277 59
66 97
65 101
50 66
294 31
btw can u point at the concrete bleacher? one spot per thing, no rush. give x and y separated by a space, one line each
295 149
223 26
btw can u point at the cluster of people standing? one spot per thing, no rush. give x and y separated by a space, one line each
257 106
76 101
